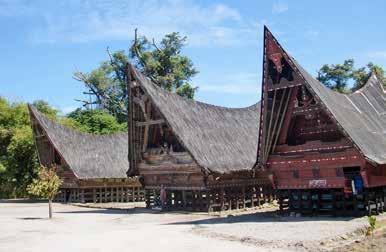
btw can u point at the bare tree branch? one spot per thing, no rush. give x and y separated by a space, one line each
114 64
155 45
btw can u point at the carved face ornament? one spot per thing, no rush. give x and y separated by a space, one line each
274 54
276 59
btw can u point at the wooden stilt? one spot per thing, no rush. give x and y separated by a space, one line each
82 196
243 196
94 195
222 199
184 199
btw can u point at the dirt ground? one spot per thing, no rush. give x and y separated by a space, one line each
24 227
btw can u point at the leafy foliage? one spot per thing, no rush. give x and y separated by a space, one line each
18 159
163 64
339 77
372 221
96 121
46 109
46 185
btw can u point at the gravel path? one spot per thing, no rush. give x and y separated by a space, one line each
24 227
293 233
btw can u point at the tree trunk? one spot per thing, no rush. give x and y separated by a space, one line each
50 208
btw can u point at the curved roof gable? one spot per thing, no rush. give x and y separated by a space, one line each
362 115
88 156
219 139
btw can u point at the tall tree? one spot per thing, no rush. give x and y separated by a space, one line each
164 64
18 158
337 76
346 78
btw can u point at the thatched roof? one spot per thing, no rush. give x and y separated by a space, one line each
88 156
220 139
361 115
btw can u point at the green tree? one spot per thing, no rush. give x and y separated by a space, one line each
46 109
164 64
337 76
21 162
346 78
18 157
96 121
46 186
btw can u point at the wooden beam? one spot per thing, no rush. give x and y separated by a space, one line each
130 118
146 133
150 122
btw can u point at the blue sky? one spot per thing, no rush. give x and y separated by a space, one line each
43 42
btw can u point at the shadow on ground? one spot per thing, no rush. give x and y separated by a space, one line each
30 218
269 216
22 201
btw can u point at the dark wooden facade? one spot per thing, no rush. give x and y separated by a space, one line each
161 159
315 164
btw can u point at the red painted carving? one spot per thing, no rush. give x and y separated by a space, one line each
274 54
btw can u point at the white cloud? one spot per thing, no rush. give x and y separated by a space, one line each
84 21
377 55
279 7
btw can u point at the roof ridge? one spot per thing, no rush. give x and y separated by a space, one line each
40 114
138 73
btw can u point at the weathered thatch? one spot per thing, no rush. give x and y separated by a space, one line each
220 139
362 115
88 156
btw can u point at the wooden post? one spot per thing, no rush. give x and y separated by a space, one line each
230 196
94 195
72 196
222 199
253 190
82 196
243 195
65 195
127 194
208 200
184 199
147 196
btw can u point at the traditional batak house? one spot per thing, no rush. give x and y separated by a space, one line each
325 151
201 154
92 167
